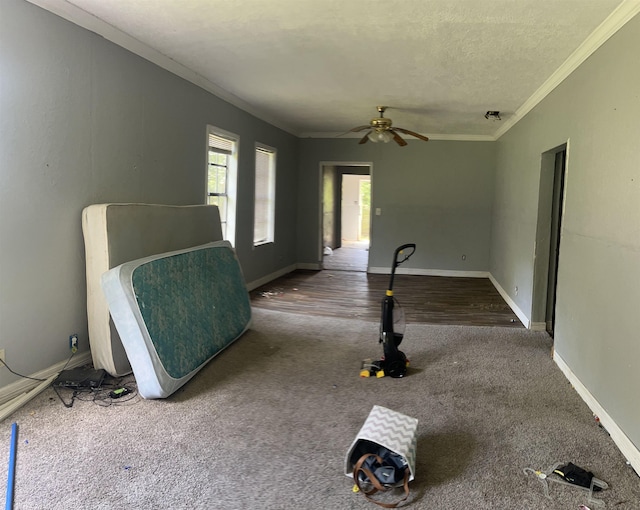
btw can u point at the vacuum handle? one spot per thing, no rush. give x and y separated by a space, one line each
397 262
399 250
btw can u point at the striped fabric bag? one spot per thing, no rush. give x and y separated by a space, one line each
383 454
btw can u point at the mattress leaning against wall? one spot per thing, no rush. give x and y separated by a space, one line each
117 233
176 311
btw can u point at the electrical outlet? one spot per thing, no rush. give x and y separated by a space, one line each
73 342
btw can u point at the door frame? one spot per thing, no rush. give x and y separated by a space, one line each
321 166
544 228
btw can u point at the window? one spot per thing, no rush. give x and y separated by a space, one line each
265 196
222 149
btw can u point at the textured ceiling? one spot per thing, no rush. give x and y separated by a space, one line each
320 67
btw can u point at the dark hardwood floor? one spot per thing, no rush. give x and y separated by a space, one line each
354 294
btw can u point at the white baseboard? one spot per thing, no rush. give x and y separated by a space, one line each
624 444
270 277
21 386
8 408
430 272
516 309
312 267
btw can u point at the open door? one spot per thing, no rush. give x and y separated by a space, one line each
330 207
345 212
355 209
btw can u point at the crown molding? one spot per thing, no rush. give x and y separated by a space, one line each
466 138
88 21
614 22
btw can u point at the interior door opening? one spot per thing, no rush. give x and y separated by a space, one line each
548 238
346 217
554 241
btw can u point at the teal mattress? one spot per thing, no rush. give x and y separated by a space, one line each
175 311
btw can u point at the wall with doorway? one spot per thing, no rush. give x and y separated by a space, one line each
436 194
595 111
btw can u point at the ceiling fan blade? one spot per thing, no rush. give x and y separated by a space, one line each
365 138
360 128
417 135
398 138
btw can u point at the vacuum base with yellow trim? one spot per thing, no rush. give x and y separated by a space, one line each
370 368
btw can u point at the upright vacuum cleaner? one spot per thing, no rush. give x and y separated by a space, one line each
394 361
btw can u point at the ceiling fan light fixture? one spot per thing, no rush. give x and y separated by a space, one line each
380 130
380 136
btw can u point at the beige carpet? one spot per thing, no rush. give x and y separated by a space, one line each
268 422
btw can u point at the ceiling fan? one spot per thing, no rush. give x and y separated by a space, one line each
381 130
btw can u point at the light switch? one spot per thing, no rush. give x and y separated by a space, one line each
378 211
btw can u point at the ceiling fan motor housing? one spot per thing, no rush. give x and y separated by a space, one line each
381 123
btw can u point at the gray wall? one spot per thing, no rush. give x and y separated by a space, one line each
597 110
84 121
436 194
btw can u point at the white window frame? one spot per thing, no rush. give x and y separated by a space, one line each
264 212
228 226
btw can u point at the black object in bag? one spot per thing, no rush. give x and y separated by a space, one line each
386 466
382 471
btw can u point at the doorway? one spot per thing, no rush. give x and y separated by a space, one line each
345 216
548 239
554 242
